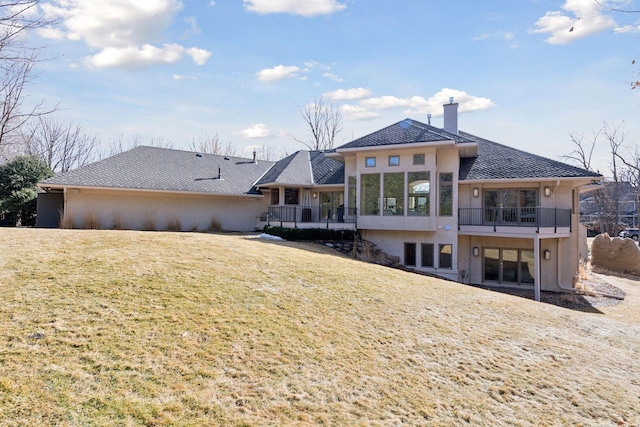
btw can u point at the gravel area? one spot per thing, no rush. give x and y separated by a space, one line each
585 301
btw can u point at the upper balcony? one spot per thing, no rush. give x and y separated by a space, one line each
514 220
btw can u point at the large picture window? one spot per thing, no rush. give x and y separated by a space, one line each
418 191
370 194
446 194
393 193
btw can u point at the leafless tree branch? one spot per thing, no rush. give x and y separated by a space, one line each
324 121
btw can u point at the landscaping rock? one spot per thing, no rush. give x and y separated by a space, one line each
615 254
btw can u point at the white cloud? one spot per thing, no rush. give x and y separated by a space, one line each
433 105
295 7
193 27
183 77
258 130
199 56
133 57
348 94
580 18
355 112
333 77
124 31
279 72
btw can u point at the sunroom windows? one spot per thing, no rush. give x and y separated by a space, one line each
402 194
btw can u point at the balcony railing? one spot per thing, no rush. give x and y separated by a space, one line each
515 217
295 214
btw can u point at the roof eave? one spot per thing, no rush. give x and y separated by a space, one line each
586 180
448 142
142 190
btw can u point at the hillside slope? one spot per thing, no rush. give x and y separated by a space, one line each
143 328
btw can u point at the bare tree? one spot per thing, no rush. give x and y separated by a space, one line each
324 121
606 199
615 138
583 150
62 146
212 145
17 62
121 143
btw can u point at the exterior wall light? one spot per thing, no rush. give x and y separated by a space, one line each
547 254
315 195
547 191
476 251
476 192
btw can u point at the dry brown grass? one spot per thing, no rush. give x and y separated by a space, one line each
134 328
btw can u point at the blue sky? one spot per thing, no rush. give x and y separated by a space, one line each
180 70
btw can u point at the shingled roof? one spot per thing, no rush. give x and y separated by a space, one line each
152 168
407 131
497 161
305 168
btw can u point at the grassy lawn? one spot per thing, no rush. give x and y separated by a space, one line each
143 328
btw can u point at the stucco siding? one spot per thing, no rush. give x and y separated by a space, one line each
160 211
392 243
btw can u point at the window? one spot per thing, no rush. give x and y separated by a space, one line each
427 255
410 254
351 191
418 191
509 266
418 159
394 160
446 194
290 196
445 259
393 193
370 162
370 194
275 196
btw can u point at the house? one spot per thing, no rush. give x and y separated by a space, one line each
445 201
155 188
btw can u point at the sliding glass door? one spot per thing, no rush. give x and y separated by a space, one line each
509 266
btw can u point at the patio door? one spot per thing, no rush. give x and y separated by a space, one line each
330 204
509 266
510 206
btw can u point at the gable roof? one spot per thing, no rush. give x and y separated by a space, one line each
294 169
407 131
305 168
162 169
497 161
326 171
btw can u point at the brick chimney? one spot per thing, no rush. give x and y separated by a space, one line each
451 116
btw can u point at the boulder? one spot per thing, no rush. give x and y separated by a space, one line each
615 254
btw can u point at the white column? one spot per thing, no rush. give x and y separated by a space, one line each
536 260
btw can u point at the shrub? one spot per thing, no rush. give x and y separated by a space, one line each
174 225
310 234
91 222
